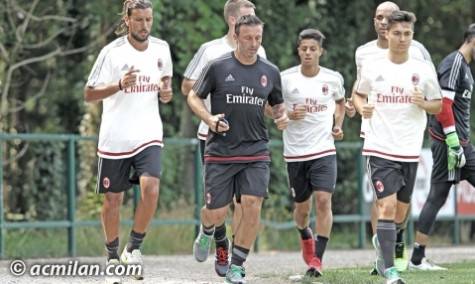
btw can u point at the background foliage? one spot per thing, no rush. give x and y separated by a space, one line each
47 49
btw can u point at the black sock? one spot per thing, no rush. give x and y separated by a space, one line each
305 233
386 230
320 245
239 255
418 253
399 233
220 236
112 249
135 240
208 230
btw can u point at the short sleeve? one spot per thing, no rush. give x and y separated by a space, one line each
206 82
275 96
168 64
197 64
363 84
431 87
101 72
339 94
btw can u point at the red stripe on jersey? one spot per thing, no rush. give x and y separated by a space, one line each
390 155
237 158
435 136
129 152
446 116
202 136
309 155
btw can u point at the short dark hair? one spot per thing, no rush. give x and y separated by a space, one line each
311 34
247 20
232 7
469 33
401 17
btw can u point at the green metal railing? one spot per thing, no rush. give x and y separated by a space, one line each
71 224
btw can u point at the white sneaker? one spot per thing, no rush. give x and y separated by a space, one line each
134 257
112 279
425 265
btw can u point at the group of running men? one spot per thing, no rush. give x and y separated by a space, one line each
231 87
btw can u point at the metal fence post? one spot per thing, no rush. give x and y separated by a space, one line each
72 196
361 203
456 231
2 231
136 196
198 188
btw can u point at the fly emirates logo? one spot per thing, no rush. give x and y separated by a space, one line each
246 97
143 85
397 96
312 105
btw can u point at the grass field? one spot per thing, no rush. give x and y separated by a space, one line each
458 273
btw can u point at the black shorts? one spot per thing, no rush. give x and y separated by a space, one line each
389 177
116 175
223 181
440 173
308 176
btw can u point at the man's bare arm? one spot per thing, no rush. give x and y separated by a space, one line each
186 86
198 107
280 116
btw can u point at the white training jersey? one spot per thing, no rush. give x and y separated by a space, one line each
208 52
310 138
130 118
396 129
371 51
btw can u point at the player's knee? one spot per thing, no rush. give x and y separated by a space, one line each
150 189
324 203
216 216
112 200
302 212
436 201
387 210
251 202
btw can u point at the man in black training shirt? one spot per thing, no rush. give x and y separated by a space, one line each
453 155
237 159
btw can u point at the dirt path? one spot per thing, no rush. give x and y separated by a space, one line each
263 268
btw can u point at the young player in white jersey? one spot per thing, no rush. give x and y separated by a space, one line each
130 76
314 96
366 53
233 10
395 93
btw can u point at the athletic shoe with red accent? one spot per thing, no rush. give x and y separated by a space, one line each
308 249
221 262
314 268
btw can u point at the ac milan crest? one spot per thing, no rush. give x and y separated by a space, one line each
106 183
264 81
415 79
159 64
379 186
325 89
